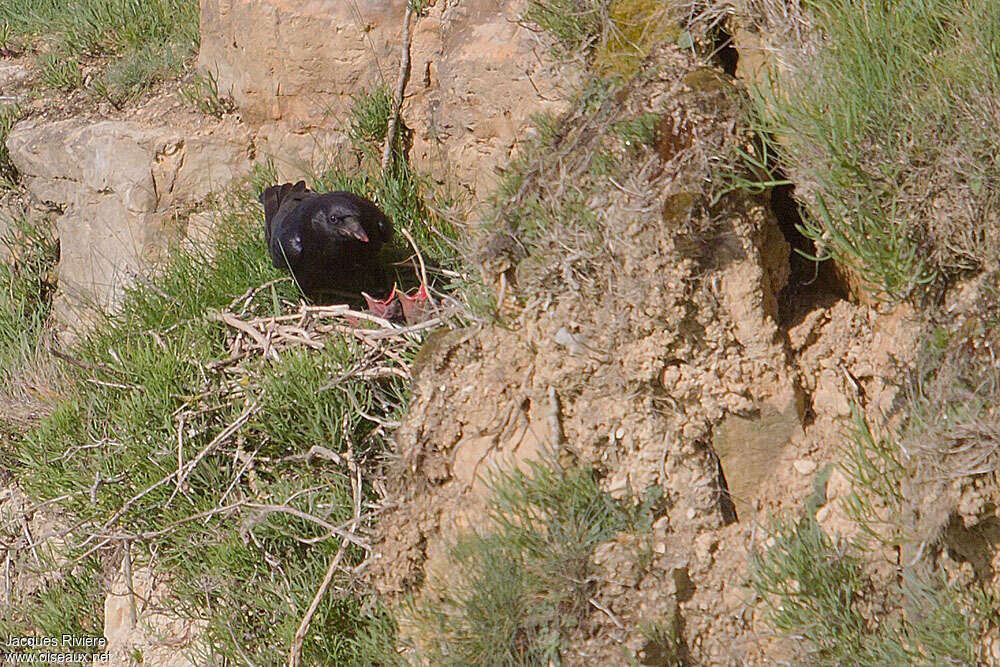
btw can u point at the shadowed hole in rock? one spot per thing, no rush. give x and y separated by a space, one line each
726 505
810 284
974 545
683 584
724 52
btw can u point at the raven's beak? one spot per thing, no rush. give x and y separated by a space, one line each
352 227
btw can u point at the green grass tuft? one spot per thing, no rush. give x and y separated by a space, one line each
28 282
638 131
69 605
127 78
137 43
9 115
203 94
814 588
369 118
60 71
577 25
518 588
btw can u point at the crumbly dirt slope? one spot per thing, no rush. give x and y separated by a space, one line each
658 360
638 363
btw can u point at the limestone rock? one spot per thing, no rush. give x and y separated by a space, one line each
750 451
299 152
477 77
833 516
116 183
15 78
754 59
830 398
804 466
299 61
12 74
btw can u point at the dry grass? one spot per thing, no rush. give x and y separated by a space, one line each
954 396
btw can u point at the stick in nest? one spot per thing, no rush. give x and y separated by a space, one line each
295 655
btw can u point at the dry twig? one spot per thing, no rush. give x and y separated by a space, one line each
295 655
397 102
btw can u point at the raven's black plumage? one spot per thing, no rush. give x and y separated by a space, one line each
329 241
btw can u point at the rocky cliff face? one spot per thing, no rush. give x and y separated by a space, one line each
677 350
477 74
117 185
644 333
299 61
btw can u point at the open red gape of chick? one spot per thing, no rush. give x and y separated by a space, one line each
413 309
416 308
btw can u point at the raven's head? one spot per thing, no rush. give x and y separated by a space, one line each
332 226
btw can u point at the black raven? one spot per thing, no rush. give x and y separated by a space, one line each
329 241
